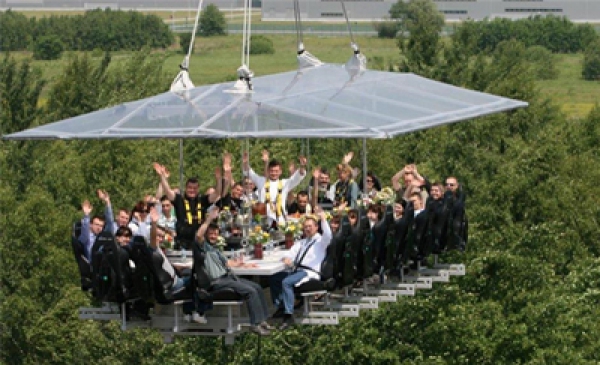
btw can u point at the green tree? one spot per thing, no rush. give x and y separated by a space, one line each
543 62
212 22
48 48
419 37
259 44
591 62
184 42
16 31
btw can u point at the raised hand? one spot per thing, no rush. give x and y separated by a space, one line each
154 216
218 172
245 157
227 162
302 160
347 158
213 214
160 169
320 212
292 168
316 173
86 206
265 156
103 195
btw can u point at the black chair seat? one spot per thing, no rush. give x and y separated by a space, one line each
315 285
221 295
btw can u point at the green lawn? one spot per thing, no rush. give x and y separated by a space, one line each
216 60
575 95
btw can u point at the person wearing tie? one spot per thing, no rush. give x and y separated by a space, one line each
303 262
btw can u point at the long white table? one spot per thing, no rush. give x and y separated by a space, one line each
270 264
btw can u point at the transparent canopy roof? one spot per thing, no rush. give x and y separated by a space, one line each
320 102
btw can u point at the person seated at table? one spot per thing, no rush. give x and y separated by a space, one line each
218 269
190 206
272 190
335 223
300 205
353 217
123 236
318 190
250 191
303 261
236 231
345 189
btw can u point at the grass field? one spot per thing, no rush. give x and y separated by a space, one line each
575 95
216 60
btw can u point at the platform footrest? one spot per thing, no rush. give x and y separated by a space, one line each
363 302
401 288
344 309
384 295
421 282
436 275
314 317
105 313
453 269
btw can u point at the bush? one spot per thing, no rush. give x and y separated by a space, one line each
212 22
386 29
543 62
48 48
591 62
184 42
259 44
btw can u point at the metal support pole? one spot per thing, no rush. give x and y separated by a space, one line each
308 170
181 164
258 359
364 163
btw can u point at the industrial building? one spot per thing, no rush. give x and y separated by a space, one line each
453 10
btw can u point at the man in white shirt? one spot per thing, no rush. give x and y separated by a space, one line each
304 262
271 189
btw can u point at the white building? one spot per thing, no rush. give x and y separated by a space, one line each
454 10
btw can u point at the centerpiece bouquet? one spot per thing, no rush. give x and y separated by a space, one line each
386 196
258 238
292 230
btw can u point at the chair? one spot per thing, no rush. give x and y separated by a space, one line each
84 266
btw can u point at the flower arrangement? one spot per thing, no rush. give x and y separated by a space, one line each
386 196
258 236
221 243
168 242
291 227
364 201
343 211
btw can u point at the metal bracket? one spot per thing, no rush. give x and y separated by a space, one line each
382 294
453 269
328 318
343 309
436 275
107 312
401 288
421 282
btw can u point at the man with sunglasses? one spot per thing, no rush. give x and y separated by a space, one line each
457 223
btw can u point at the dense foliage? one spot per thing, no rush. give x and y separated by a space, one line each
591 62
533 271
558 34
48 48
260 44
212 22
108 30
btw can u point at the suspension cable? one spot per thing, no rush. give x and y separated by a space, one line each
298 21
347 22
191 47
